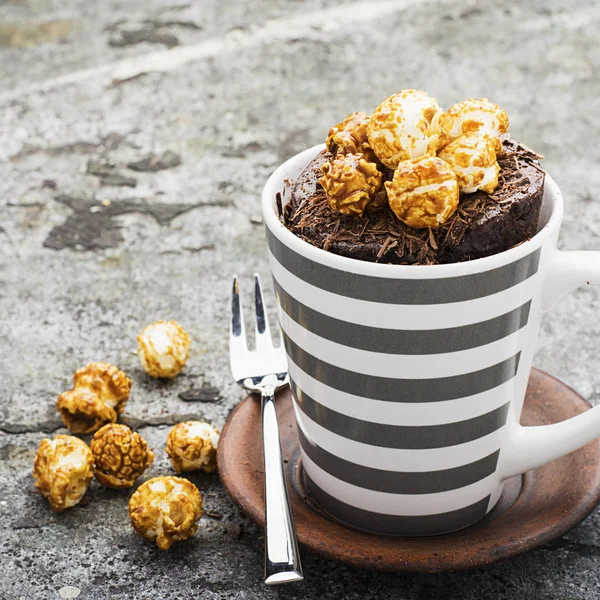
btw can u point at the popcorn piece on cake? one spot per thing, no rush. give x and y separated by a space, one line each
350 136
350 182
424 192
475 117
473 160
405 126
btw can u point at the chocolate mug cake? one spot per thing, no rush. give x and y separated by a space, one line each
412 184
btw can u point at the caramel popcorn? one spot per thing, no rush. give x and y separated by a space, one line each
163 348
62 470
405 126
350 183
100 392
475 117
473 160
120 456
193 445
424 192
165 510
350 136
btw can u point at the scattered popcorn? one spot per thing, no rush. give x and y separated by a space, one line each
424 192
193 445
163 348
350 182
165 510
120 456
404 126
475 117
100 392
473 160
350 136
62 470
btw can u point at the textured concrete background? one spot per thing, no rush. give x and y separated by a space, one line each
92 250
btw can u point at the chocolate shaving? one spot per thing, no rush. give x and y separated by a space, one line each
432 239
387 245
456 231
364 228
529 154
422 253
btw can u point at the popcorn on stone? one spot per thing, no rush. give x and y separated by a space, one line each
120 456
424 192
475 117
473 160
350 136
62 471
350 182
165 510
192 446
405 126
100 392
163 349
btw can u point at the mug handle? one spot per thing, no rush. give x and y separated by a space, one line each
530 447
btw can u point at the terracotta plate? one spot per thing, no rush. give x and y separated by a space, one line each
535 508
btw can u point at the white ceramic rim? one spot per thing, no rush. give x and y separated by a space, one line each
275 184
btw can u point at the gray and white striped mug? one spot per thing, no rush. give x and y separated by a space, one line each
408 381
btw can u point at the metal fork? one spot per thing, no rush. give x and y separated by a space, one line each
264 371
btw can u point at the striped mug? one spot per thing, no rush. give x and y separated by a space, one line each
408 381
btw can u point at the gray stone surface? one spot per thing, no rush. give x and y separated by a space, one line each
91 251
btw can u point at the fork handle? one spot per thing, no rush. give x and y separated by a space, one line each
282 558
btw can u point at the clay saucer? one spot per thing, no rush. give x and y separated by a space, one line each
534 509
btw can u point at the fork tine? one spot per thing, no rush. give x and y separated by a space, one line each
279 339
263 333
277 335
237 338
